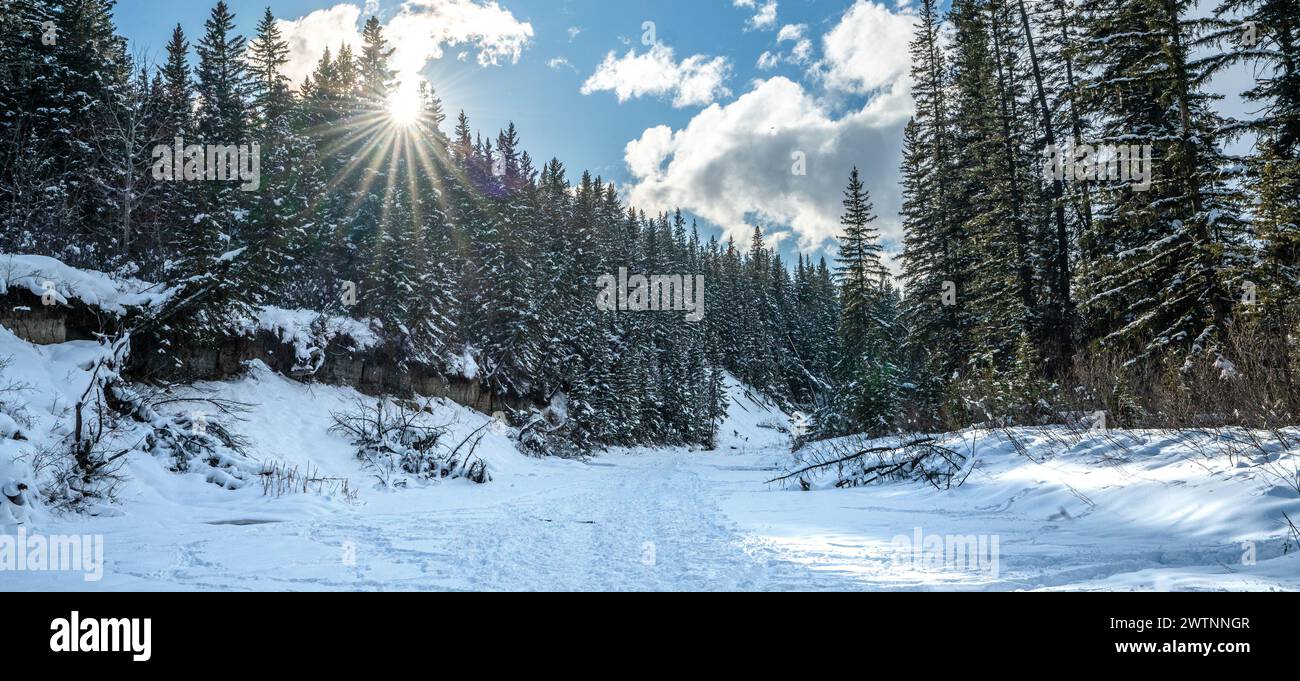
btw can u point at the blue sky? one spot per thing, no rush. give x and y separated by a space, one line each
739 112
723 147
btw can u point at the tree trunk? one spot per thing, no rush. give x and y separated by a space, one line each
1062 305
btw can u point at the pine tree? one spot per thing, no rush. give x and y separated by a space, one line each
991 187
1266 35
1159 264
178 87
268 55
936 259
1046 64
223 85
282 244
62 92
217 232
865 396
378 79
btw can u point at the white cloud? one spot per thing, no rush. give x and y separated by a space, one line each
764 15
574 31
422 27
310 35
558 63
418 33
800 53
695 80
646 155
791 32
867 49
732 165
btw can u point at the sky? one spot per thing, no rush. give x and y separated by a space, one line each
742 113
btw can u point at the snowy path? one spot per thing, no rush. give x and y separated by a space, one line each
631 522
648 523
662 520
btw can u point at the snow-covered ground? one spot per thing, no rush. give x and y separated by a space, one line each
1154 514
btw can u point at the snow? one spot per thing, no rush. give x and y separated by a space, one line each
1227 370
61 284
753 421
294 327
1114 510
229 256
9 427
1152 514
465 365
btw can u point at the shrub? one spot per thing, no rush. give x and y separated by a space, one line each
391 439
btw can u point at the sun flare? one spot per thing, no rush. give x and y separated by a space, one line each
404 105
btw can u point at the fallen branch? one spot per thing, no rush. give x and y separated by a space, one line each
923 458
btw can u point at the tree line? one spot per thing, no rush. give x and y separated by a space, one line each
1020 294
1026 291
457 248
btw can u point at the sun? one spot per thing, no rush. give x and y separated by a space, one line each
404 105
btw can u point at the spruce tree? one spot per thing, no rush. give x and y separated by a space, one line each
1160 265
216 233
867 376
936 257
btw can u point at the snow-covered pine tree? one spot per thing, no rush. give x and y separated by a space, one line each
936 258
507 256
1160 268
992 182
1051 69
176 109
281 231
215 230
63 90
377 78
866 375
434 327
1265 34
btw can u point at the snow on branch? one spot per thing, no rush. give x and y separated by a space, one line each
850 465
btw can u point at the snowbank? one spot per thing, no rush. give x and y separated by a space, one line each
1113 510
298 328
753 421
285 425
60 284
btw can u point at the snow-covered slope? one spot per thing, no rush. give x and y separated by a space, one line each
1116 510
1110 511
753 421
285 425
